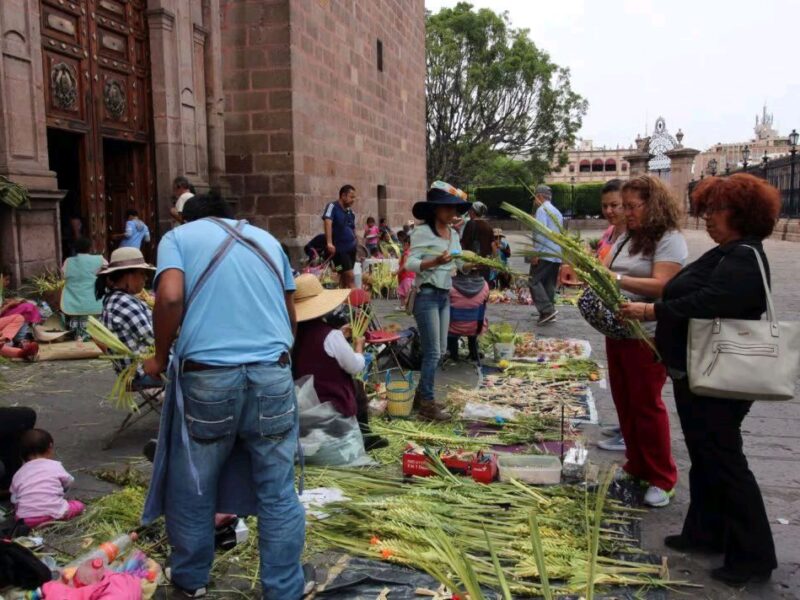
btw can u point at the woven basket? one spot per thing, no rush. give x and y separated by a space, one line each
399 395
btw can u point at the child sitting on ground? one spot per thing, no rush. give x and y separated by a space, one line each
37 489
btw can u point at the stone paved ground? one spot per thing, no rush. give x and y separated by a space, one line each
68 397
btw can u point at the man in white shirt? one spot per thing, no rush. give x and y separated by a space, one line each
181 191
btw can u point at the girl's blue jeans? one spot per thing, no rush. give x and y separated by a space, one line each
432 312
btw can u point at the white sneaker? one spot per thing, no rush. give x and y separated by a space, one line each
656 497
621 475
615 444
611 431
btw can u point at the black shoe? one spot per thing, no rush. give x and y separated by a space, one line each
683 544
374 442
310 577
548 318
149 450
739 577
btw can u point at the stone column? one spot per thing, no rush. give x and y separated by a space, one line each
23 146
638 163
166 105
215 100
681 160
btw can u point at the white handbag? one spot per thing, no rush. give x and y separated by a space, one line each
744 359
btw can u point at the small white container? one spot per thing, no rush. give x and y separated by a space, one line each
503 351
529 468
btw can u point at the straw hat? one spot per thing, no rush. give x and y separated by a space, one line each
126 258
497 232
311 300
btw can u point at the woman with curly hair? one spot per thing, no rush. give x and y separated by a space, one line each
726 510
643 260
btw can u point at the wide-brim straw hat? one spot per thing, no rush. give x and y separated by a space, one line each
497 232
438 197
123 259
311 300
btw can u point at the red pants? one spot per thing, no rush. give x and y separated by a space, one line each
9 327
636 382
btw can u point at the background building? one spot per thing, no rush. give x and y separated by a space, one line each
588 163
104 102
766 140
320 94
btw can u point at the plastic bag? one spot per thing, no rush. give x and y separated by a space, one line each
326 436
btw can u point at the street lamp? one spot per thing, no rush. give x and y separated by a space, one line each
572 197
764 161
793 139
727 167
745 156
712 167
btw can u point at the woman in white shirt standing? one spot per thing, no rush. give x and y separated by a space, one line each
643 260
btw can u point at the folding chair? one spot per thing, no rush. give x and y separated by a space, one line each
384 342
469 315
150 400
567 277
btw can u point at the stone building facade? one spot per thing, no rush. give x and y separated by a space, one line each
318 94
587 163
278 102
102 103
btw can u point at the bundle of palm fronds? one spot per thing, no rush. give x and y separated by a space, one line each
360 318
147 297
471 258
382 281
566 546
586 266
46 283
120 395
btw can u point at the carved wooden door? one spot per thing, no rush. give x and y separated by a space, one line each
97 82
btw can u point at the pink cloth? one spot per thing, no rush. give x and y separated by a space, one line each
37 489
404 288
113 586
27 310
459 301
371 234
74 508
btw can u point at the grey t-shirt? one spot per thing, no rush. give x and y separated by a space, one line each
670 248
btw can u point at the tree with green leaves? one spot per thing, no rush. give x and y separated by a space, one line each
492 97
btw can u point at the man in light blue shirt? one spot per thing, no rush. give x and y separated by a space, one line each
544 269
229 425
136 231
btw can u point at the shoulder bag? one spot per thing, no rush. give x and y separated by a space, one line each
598 315
743 359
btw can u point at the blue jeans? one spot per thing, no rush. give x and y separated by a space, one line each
432 312
257 405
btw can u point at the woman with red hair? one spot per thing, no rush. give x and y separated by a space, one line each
726 511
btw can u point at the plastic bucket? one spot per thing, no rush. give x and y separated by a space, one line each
503 351
399 395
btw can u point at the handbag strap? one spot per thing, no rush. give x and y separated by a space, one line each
621 246
771 316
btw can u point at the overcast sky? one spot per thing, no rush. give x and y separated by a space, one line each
706 66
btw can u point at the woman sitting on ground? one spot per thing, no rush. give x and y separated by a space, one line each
321 350
78 301
15 314
726 511
126 315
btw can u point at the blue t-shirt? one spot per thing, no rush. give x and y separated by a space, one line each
343 222
239 316
541 243
136 232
